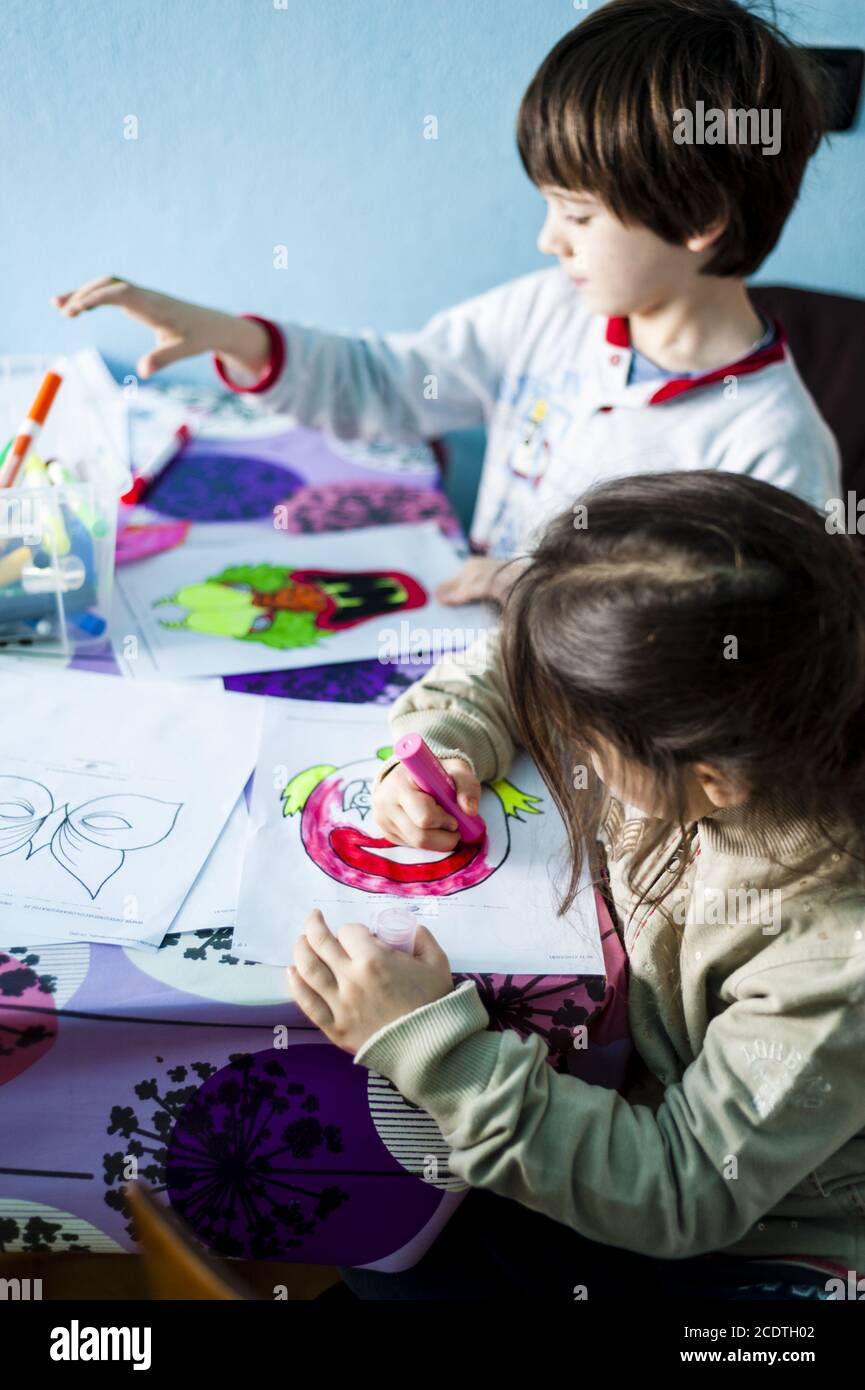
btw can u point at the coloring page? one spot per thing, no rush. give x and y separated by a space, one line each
112 796
313 842
265 600
212 899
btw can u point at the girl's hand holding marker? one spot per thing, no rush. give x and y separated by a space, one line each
350 986
409 816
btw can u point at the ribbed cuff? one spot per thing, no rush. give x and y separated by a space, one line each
273 368
438 1055
451 734
441 753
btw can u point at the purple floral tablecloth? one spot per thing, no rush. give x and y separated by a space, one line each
190 1067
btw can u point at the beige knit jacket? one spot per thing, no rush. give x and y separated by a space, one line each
748 1006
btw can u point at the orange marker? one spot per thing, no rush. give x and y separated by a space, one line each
28 430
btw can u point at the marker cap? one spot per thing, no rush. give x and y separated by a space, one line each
396 927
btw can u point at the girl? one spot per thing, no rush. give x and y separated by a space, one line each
697 655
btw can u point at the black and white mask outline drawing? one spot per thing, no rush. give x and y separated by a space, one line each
89 841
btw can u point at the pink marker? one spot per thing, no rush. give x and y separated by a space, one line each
428 775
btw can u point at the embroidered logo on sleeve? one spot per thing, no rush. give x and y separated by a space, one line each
778 1077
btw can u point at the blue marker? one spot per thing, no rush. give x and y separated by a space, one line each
90 624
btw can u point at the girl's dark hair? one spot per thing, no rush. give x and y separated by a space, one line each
697 617
601 112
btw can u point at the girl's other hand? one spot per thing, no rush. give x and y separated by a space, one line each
181 329
352 984
407 816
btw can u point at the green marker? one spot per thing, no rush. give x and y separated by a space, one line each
61 477
35 474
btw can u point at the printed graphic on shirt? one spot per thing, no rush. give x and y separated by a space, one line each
534 414
529 459
538 417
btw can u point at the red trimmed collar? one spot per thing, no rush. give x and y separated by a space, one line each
619 335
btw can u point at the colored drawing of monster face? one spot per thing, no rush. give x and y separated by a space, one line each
288 608
340 835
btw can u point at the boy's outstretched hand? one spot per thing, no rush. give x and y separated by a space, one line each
181 329
480 578
352 984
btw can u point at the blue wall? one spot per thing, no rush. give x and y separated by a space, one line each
302 126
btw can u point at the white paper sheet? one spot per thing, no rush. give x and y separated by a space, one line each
131 651
112 795
213 898
313 843
224 607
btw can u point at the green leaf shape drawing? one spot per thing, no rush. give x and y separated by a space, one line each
266 579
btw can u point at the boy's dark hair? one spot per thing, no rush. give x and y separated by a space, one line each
598 118
619 634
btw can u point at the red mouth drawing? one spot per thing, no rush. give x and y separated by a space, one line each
353 847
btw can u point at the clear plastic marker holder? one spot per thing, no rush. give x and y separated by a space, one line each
67 528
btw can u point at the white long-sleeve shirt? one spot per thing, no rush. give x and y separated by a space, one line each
549 382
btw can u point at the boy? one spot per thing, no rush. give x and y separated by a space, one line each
646 131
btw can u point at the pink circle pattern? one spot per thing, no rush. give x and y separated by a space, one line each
27 1032
345 506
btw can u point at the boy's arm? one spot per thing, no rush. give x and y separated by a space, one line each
398 386
405 387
